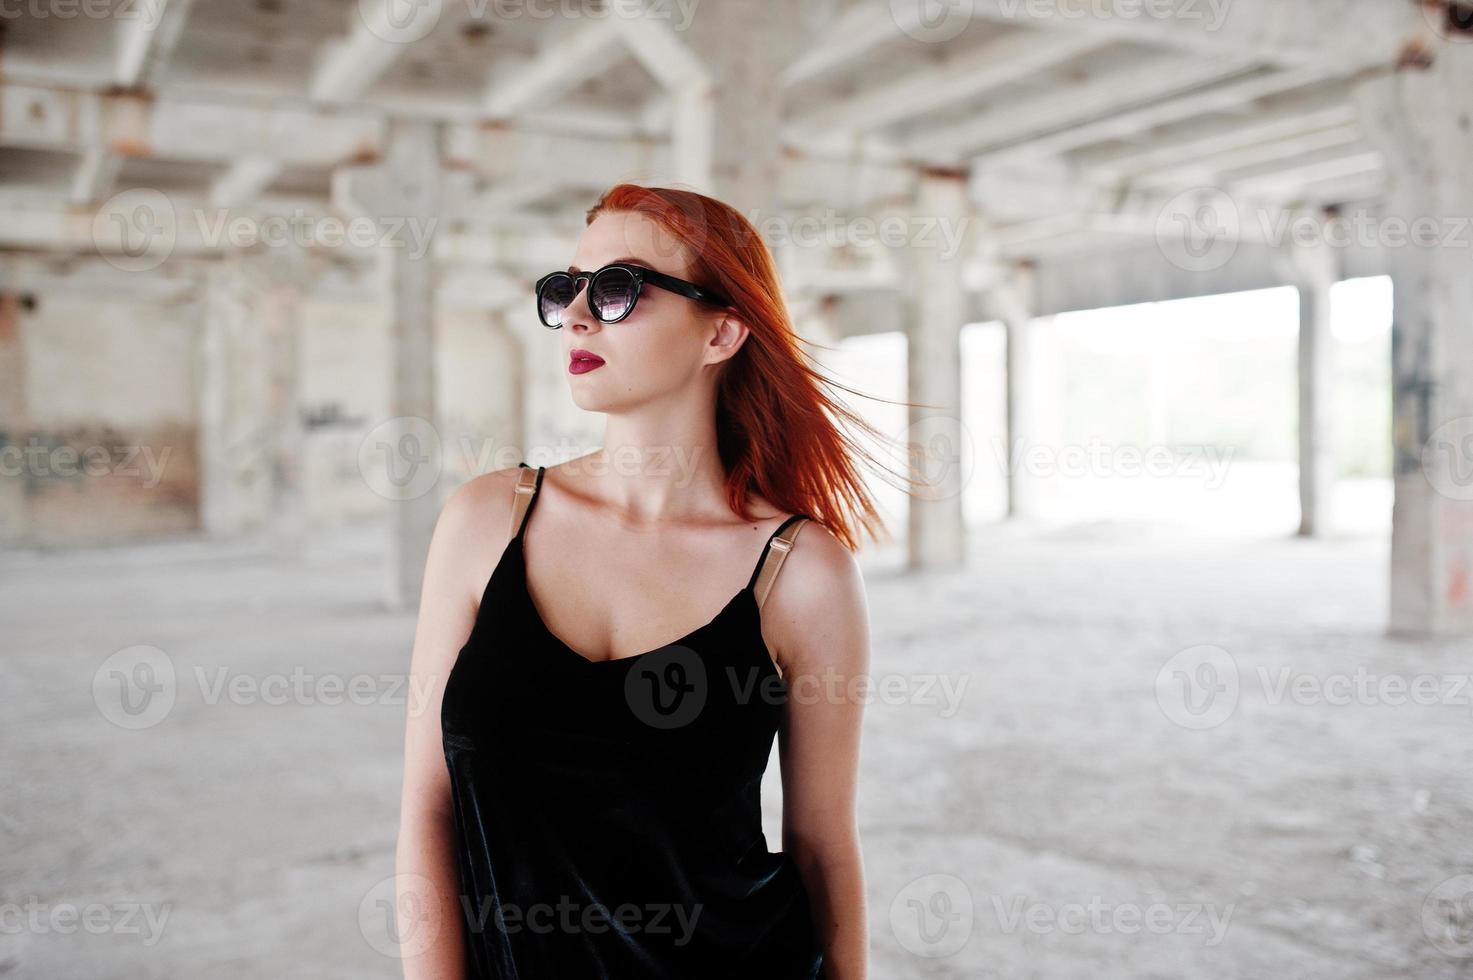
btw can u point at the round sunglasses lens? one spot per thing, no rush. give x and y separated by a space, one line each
557 293
612 292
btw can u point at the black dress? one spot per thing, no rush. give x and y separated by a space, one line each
607 813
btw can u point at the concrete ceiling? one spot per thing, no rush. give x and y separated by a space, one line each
1075 118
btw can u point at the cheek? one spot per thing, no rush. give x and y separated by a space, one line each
659 350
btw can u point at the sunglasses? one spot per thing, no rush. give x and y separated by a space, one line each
612 292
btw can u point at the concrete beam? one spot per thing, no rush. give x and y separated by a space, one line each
859 30
589 50
1264 159
94 277
1210 137
506 156
378 34
95 175
185 128
244 181
683 75
1287 179
1230 97
1360 32
945 83
1091 99
147 40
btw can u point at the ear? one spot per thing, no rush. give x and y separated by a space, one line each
727 338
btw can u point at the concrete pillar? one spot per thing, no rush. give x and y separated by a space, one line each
234 417
690 128
939 310
406 187
1420 120
283 271
1314 268
14 406
14 418
816 319
251 433
726 125
756 42
1012 299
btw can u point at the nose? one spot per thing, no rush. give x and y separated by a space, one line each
577 316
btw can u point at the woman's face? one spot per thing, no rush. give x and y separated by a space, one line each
662 345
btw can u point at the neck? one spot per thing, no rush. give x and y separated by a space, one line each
653 467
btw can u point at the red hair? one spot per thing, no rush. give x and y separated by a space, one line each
780 434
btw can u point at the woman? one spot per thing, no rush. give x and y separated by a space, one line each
581 794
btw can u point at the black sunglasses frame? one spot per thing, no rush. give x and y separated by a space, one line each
641 276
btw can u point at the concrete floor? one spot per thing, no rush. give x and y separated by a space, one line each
1058 823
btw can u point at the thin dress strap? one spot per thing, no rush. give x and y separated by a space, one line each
774 553
528 483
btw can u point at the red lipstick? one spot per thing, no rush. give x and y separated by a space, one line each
582 361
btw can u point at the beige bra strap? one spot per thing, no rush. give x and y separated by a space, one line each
776 555
526 486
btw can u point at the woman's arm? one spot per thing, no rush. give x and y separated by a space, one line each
818 622
431 930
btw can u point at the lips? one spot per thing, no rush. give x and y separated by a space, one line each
583 361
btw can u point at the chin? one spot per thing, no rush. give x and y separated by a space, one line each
598 401
590 401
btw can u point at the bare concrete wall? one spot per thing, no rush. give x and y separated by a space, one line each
99 424
99 413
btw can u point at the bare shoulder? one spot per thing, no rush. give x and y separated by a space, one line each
482 505
817 614
474 527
